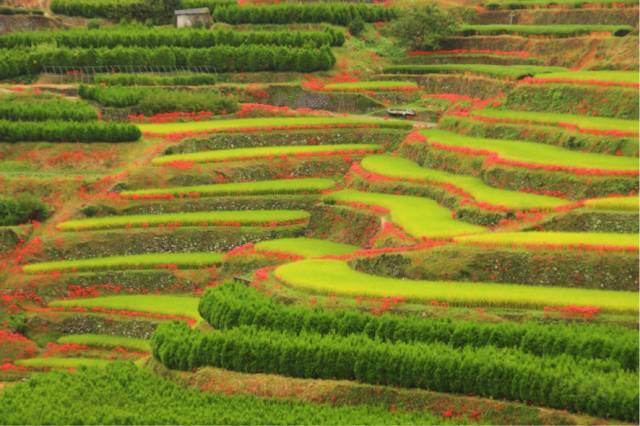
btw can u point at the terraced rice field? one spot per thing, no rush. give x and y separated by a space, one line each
508 71
533 153
307 247
615 203
280 186
266 124
270 152
132 262
106 341
372 85
560 30
580 122
595 77
216 218
62 363
558 239
404 169
335 276
420 217
184 306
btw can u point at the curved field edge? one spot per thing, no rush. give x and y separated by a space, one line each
334 276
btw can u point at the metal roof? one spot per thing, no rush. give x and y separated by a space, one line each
198 11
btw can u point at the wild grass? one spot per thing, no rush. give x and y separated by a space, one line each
420 217
336 277
402 168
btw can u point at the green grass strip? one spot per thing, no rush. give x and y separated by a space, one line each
402 168
533 153
268 123
336 277
280 186
510 71
245 154
371 85
53 362
165 305
132 262
615 203
580 121
525 4
107 341
226 217
550 30
420 217
307 247
607 76
553 238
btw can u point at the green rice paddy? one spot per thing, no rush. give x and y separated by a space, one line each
371 85
267 123
560 238
559 30
245 154
307 247
53 362
132 262
336 277
534 153
508 71
185 306
420 217
242 217
615 203
280 186
580 121
606 76
402 168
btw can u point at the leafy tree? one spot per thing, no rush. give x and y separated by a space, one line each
424 27
356 26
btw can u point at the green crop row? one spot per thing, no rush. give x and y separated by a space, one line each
232 305
150 101
110 9
17 62
307 247
224 218
54 362
372 85
550 30
336 277
141 36
44 108
245 154
122 393
136 261
508 71
67 131
562 239
280 186
187 79
501 373
615 203
630 77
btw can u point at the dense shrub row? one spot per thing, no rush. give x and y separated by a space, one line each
110 9
16 62
593 387
67 131
151 101
124 394
21 209
156 80
8 10
233 305
333 13
141 36
18 108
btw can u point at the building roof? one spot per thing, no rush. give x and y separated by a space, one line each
197 11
